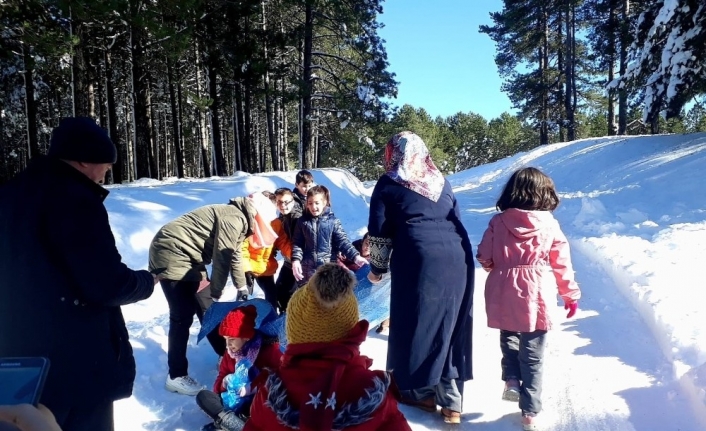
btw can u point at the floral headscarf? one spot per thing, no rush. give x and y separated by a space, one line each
408 162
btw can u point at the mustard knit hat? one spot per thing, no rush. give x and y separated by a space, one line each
325 309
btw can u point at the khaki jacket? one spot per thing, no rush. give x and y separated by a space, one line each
210 234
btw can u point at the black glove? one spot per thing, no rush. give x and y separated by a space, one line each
250 280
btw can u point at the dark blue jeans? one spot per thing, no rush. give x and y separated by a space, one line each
523 360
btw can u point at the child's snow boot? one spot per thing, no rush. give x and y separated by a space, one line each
529 421
229 421
512 390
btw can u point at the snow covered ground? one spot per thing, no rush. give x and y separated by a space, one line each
633 358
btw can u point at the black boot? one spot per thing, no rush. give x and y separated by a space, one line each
229 421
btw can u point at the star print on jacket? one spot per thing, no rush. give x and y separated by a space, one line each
331 402
315 400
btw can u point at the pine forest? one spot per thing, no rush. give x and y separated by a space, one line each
200 88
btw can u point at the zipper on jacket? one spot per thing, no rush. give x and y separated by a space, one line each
316 242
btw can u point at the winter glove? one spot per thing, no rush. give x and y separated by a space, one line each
297 270
243 294
572 307
250 279
360 261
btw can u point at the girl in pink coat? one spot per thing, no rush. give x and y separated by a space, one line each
527 257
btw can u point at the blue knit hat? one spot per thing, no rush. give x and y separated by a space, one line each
80 139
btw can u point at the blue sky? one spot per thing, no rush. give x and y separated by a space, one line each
442 62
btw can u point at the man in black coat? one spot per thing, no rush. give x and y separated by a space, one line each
63 280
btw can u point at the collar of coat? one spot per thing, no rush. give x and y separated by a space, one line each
63 169
247 208
322 411
345 416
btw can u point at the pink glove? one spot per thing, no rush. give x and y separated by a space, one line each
360 261
297 270
572 307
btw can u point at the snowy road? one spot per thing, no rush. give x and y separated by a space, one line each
603 372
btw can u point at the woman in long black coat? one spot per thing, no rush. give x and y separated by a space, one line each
414 213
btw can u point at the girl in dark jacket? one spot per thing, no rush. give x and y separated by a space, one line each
317 233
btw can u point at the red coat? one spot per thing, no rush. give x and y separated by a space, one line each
325 386
268 357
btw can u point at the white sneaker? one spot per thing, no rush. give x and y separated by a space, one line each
183 385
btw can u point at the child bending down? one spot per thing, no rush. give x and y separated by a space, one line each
248 353
317 233
525 252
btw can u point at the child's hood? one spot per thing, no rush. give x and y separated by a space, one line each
525 224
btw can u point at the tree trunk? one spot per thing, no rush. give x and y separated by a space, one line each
176 121
612 35
562 61
623 92
307 112
153 122
284 132
30 103
118 171
248 126
237 162
182 139
544 63
570 71
269 113
129 134
201 116
101 71
220 162
79 72
140 115
243 135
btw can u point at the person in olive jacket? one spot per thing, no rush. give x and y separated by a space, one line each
179 253
64 280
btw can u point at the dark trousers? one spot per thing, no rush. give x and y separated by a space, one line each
523 360
448 394
184 302
284 287
94 417
268 285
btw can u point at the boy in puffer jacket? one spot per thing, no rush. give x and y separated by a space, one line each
323 382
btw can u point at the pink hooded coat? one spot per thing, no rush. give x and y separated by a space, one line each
522 249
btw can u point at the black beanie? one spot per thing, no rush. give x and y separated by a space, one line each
80 139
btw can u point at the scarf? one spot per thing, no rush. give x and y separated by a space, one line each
408 162
249 351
